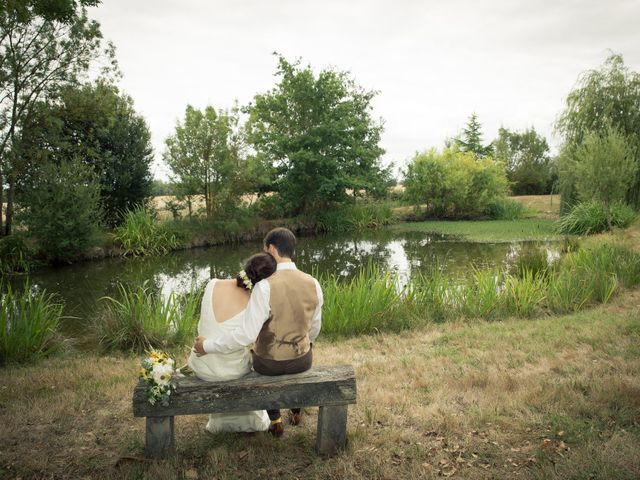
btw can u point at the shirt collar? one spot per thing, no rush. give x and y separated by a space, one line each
286 266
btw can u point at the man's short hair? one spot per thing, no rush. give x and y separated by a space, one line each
283 239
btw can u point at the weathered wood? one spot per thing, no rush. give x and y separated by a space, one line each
160 437
332 429
324 386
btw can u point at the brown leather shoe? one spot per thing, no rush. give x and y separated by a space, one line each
276 429
295 418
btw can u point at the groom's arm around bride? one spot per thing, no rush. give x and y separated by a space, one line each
283 317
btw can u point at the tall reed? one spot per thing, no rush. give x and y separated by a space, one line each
139 318
366 303
373 301
140 234
29 322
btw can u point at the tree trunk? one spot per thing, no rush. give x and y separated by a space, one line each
607 212
9 213
1 202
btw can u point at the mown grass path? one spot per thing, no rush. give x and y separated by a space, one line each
492 231
552 397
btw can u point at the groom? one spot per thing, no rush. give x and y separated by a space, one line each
283 317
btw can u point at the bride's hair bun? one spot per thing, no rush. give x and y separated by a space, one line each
256 268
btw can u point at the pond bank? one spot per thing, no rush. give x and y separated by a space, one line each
552 397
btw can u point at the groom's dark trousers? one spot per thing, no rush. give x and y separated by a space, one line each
265 366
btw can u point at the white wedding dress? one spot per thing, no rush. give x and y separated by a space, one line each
217 367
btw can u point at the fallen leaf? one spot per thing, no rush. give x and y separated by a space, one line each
444 461
448 473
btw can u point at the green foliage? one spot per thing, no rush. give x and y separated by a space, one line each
357 216
139 319
269 207
160 188
365 303
16 255
316 134
605 170
471 139
605 98
62 209
43 47
526 156
455 184
204 154
587 218
372 301
140 234
28 325
505 209
98 126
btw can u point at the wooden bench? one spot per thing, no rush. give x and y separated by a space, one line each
330 388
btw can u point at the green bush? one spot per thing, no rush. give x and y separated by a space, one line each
358 216
140 234
61 209
28 325
270 207
505 209
139 319
16 256
455 183
587 218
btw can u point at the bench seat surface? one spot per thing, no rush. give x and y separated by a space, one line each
319 386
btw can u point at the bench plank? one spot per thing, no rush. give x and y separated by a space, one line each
326 386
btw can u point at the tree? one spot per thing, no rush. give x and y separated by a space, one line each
526 156
61 209
605 170
43 45
317 133
98 126
455 183
471 139
609 96
204 155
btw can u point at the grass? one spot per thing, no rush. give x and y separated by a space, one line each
140 319
141 234
492 231
373 302
540 206
588 218
28 325
546 398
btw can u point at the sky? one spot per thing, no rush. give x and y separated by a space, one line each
433 63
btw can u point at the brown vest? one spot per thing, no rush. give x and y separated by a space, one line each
293 300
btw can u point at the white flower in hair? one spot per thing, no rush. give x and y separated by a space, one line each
246 280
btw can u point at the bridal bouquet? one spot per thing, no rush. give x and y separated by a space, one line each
159 374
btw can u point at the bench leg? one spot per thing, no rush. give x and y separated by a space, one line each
160 438
332 429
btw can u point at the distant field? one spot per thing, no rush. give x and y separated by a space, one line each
544 206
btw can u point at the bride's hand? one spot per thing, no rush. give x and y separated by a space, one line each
198 346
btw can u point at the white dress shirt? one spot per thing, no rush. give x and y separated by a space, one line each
256 313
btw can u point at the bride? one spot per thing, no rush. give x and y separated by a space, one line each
223 307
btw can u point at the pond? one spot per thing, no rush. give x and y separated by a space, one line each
82 285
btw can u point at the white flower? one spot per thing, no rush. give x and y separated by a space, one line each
162 374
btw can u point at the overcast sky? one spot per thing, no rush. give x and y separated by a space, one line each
433 62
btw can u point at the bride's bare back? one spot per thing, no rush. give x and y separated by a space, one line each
228 300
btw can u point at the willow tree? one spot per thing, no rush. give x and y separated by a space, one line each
603 98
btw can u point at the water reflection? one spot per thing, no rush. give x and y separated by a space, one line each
81 286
